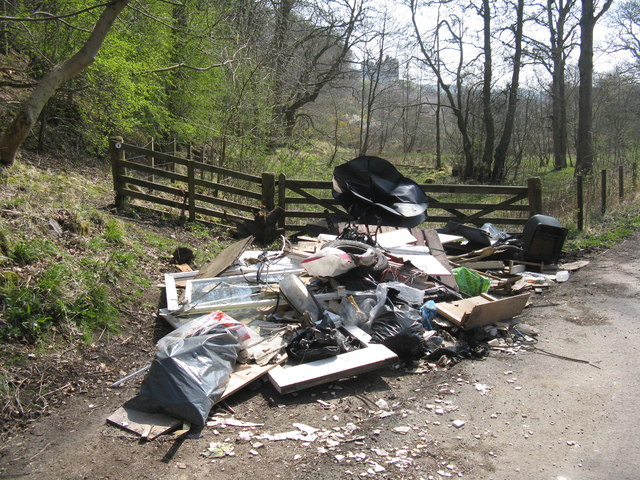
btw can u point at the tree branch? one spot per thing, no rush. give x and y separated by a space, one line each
50 16
184 65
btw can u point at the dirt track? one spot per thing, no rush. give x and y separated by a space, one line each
542 417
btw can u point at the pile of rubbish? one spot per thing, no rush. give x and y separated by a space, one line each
335 306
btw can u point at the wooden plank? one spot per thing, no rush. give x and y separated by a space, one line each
493 208
482 310
243 374
315 184
147 425
295 186
158 155
197 165
153 199
480 206
486 189
228 189
305 214
495 221
153 186
370 357
435 203
419 236
153 171
433 187
435 247
223 215
484 265
226 203
224 259
306 201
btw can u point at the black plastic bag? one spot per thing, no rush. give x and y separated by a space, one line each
189 376
320 341
374 192
399 328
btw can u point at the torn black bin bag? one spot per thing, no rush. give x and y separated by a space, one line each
374 192
320 341
189 376
399 328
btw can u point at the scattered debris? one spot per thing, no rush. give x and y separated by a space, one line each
218 450
335 306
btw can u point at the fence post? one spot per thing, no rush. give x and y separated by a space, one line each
603 202
580 192
152 160
268 191
191 183
282 199
117 156
175 153
534 192
620 182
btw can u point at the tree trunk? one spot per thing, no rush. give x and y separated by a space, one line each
30 109
584 161
585 153
559 118
500 156
283 13
4 38
489 127
558 91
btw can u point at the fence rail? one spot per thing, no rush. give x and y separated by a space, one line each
179 183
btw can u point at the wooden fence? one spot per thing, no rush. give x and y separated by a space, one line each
595 194
181 184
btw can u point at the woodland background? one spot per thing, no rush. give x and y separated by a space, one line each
486 91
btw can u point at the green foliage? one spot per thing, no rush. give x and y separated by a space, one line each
31 311
113 232
614 228
29 251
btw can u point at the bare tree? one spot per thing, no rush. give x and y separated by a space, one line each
588 20
311 49
454 92
559 19
500 154
30 109
373 65
560 39
626 21
487 110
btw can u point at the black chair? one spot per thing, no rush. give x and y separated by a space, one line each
373 191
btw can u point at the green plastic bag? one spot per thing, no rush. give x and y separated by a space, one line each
470 282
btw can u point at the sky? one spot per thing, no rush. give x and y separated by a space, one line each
400 14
